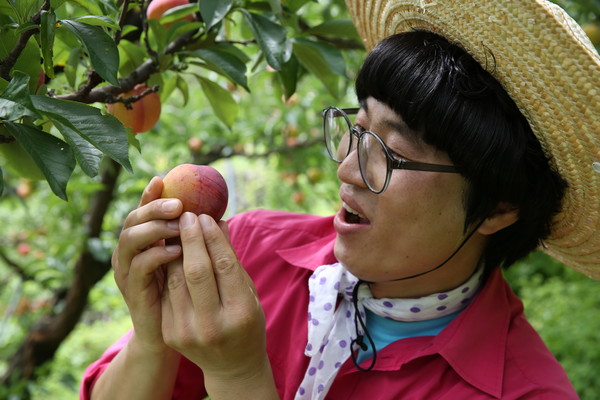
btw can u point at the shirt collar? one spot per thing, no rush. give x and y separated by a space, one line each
478 356
312 255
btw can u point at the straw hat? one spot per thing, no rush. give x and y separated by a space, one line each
549 67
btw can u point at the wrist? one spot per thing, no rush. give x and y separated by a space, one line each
256 383
160 350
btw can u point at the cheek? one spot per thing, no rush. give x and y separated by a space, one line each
431 205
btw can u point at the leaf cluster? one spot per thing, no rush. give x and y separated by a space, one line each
90 52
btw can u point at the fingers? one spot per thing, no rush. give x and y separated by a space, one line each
152 191
197 266
233 283
144 265
137 238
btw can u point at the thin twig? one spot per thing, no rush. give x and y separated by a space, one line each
15 267
128 101
139 75
122 19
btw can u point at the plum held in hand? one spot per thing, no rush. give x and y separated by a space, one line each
201 189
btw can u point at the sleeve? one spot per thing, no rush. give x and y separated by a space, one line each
94 370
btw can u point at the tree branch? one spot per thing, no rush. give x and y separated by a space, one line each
9 62
46 335
139 75
15 267
218 153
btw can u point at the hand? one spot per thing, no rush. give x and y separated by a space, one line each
139 262
211 312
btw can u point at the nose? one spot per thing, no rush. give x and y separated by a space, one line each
349 170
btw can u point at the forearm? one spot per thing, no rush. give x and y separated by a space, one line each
136 373
259 385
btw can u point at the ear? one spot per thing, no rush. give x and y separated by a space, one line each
505 214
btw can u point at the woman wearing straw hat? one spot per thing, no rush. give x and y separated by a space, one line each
476 141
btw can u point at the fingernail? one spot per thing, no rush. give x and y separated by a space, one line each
206 221
173 225
173 248
170 205
187 220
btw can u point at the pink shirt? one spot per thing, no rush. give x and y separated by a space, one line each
489 351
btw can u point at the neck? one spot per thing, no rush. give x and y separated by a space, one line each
452 274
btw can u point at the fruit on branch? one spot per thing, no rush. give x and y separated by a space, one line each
158 7
201 189
298 197
24 188
195 145
23 248
144 113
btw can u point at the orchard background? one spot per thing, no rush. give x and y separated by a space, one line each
238 85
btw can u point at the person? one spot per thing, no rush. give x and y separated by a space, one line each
476 142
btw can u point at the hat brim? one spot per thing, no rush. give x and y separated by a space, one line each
551 70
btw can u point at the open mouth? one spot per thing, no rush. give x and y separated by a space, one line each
352 216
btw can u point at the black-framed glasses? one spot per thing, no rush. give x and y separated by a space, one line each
375 158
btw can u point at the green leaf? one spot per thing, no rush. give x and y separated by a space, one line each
15 101
88 157
343 28
134 141
91 6
324 61
226 64
221 101
288 76
98 20
48 25
176 13
1 182
72 66
158 33
183 88
102 50
105 132
25 27
213 11
294 5
329 55
131 56
271 37
53 156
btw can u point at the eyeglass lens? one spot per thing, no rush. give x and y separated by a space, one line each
371 153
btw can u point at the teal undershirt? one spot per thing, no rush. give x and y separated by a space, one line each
384 331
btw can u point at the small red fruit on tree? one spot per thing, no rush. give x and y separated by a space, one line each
195 144
23 249
158 7
201 189
144 113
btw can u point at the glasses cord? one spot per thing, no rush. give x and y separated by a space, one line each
359 342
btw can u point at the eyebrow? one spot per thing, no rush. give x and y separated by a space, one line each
398 126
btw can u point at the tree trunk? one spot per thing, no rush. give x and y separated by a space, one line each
46 335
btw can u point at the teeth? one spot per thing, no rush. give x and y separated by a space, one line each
350 210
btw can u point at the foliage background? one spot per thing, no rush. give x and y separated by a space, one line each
561 304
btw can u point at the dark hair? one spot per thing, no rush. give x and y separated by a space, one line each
456 106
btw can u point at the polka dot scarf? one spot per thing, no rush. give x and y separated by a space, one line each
332 331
